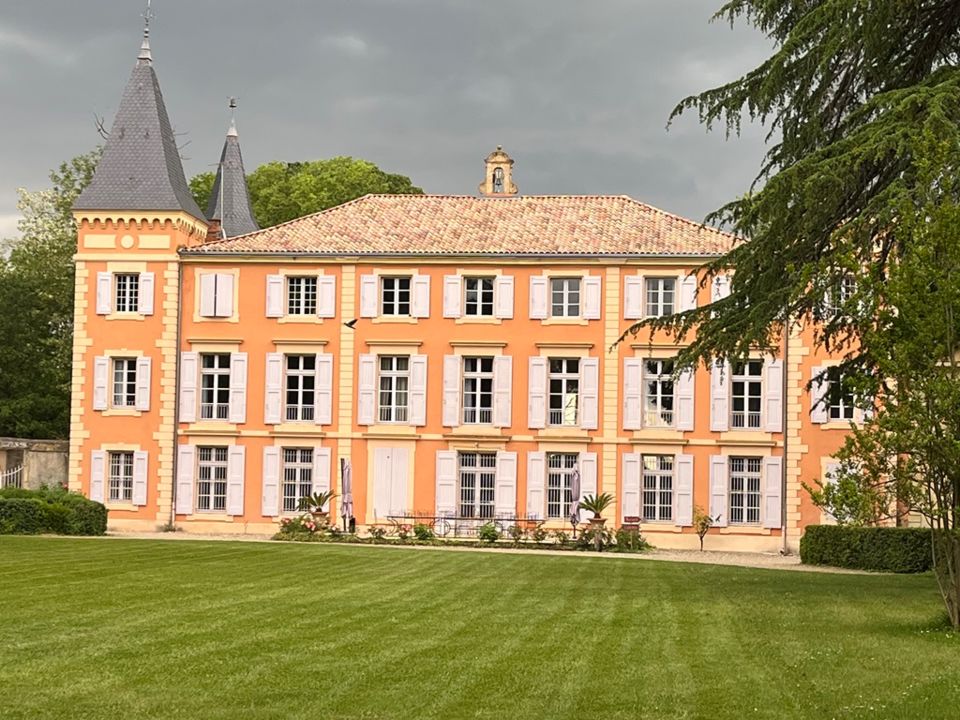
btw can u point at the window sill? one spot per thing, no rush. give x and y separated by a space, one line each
211 516
300 320
390 429
124 316
121 412
744 530
565 321
224 320
212 427
837 424
307 427
122 505
747 437
394 320
478 320
476 430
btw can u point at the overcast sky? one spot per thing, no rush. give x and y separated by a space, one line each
577 91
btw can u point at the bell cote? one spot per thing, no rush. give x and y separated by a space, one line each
498 181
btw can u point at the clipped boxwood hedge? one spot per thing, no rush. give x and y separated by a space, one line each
886 549
50 510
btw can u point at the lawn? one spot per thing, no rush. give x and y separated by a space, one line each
101 628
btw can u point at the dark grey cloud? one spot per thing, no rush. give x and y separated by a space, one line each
578 91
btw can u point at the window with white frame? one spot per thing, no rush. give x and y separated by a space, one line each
477 480
745 490
214 386
564 382
478 296
124 382
565 297
394 388
121 477
297 477
477 390
658 394
746 394
661 296
211 479
840 294
126 292
840 402
302 295
657 488
560 469
395 295
301 381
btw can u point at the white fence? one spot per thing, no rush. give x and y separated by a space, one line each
12 478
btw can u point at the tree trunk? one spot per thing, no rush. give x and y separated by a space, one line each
946 568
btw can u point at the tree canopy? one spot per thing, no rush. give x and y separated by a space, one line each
282 191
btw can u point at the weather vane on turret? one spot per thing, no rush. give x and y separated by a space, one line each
232 103
147 16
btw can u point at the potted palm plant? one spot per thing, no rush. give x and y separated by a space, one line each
316 505
596 504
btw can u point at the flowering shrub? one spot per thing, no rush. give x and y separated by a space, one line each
423 532
299 525
378 533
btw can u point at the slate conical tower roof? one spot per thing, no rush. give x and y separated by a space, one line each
230 199
140 168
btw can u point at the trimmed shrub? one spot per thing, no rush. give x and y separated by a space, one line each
50 510
885 549
21 516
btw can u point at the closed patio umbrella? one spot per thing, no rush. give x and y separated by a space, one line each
575 498
346 491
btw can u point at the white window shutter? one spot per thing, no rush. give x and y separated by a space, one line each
588 480
235 473
592 297
683 391
719 471
420 288
503 297
452 294
98 473
632 393
720 287
537 393
224 295
275 296
321 471
145 295
366 389
189 372
104 293
208 294
683 492
186 466
326 296
270 486
720 396
503 391
418 390
323 398
536 481
687 286
446 477
631 484
819 388
538 297
773 395
142 399
139 478
238 388
368 296
589 393
633 297
273 394
101 382
451 390
505 492
772 491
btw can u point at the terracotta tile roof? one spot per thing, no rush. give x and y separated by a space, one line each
463 225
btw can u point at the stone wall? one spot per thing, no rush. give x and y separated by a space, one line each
44 461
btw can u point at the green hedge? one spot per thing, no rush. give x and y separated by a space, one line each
29 512
886 549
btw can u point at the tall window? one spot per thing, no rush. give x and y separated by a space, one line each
839 398
394 387
301 295
301 385
127 292
565 297
745 490
657 487
564 382
477 390
658 393
746 394
478 296
214 386
297 476
840 294
560 467
212 479
395 295
478 479
121 476
124 382
661 296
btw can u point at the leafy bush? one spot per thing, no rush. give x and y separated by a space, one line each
594 538
488 533
887 549
629 541
517 534
539 534
50 510
562 537
378 533
422 531
21 516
